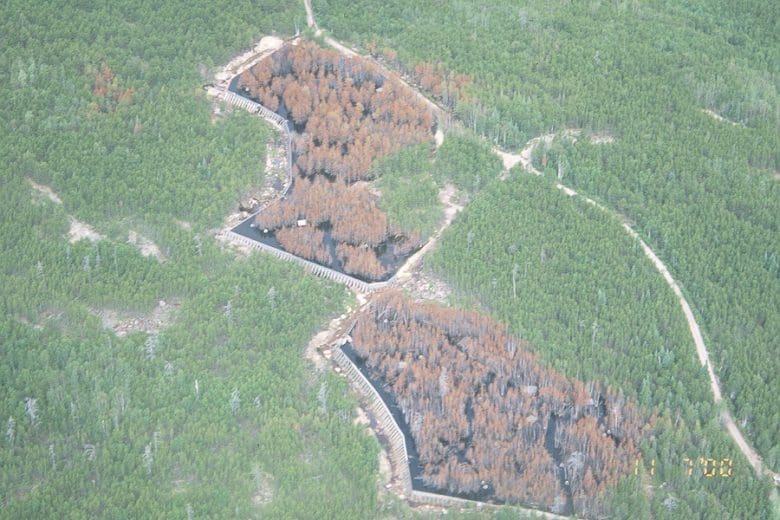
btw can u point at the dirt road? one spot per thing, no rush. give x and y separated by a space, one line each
310 21
701 350
450 210
320 342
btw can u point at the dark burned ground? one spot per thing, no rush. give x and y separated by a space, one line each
389 261
344 114
483 419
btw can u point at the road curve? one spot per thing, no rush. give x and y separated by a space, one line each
701 349
524 158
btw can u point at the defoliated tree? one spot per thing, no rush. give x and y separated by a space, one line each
52 456
148 459
322 397
235 400
31 409
10 432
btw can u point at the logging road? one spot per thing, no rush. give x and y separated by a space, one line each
524 158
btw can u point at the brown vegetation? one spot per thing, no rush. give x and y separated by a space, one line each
350 213
346 111
346 114
484 412
442 85
359 260
445 86
307 242
107 91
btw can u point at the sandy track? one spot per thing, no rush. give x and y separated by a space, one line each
451 208
701 350
50 194
310 21
720 118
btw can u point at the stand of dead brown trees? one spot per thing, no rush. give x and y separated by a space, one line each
346 114
484 412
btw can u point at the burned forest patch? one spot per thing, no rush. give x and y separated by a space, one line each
344 114
487 420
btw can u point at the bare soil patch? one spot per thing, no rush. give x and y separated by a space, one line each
50 194
80 230
425 286
510 160
317 350
601 138
439 137
240 63
524 157
448 196
719 117
264 487
186 226
146 246
361 418
123 323
525 153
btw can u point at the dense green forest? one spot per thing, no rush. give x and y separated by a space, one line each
408 179
467 161
409 194
217 415
688 92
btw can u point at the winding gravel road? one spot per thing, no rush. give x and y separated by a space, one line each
524 157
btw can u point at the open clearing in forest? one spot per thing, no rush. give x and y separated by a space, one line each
524 157
145 245
80 231
123 323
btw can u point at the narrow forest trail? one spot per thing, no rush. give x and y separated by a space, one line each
310 21
450 210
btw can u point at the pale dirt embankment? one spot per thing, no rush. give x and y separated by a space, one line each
46 191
